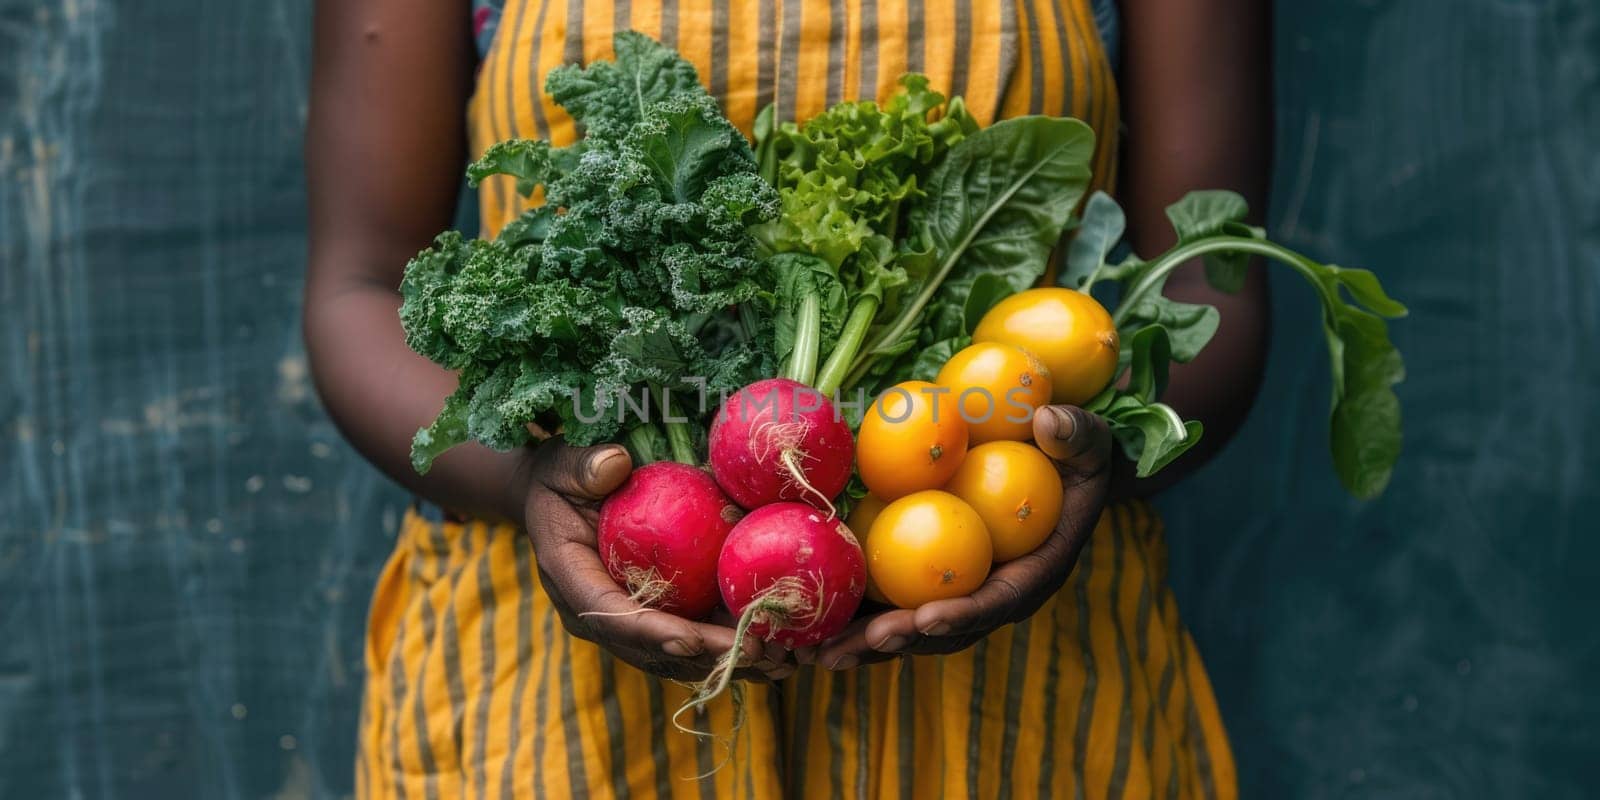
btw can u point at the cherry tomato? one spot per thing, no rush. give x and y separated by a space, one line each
927 546
912 438
1015 489
999 386
859 522
1068 330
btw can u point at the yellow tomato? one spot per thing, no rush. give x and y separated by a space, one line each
1069 331
998 387
1015 489
859 522
927 546
912 438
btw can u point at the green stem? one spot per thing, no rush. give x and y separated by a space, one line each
641 445
1152 277
807 341
682 442
833 373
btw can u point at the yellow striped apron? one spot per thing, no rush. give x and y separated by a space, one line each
475 690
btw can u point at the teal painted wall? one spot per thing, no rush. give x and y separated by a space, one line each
186 546
1440 641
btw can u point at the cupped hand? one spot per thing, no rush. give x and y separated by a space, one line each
566 487
1080 444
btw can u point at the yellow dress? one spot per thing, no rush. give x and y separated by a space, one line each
475 690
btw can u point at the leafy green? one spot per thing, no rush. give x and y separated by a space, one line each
846 179
995 207
1208 213
1150 432
1098 233
1364 424
627 281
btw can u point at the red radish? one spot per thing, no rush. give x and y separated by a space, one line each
660 535
798 573
779 439
792 576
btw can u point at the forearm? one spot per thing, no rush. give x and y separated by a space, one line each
379 393
1199 110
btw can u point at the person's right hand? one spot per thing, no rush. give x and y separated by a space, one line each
562 508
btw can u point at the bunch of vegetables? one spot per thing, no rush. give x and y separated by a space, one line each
875 251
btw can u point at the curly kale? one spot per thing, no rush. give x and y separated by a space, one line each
625 284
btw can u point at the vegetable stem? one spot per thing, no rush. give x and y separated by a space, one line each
682 443
807 341
834 371
1172 259
641 445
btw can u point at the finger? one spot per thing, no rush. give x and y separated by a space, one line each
850 648
774 658
893 631
1079 441
943 645
992 605
582 473
718 640
573 573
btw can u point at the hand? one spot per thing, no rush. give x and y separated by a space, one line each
566 486
1080 444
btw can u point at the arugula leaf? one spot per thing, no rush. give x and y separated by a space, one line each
1189 326
1098 233
1151 355
1153 435
1206 213
1364 421
1364 426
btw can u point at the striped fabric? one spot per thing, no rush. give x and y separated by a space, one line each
475 690
1006 57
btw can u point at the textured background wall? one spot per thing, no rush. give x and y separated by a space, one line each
1439 642
186 546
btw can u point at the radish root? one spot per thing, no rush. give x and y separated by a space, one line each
785 438
645 586
784 603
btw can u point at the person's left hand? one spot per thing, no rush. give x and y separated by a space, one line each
1080 444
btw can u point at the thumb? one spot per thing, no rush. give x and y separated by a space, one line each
585 473
1078 440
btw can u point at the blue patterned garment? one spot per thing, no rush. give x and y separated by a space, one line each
486 18
1108 18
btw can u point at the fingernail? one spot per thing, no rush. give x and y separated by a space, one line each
676 647
892 644
937 629
598 464
1065 424
844 662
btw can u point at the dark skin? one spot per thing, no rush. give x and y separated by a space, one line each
384 151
